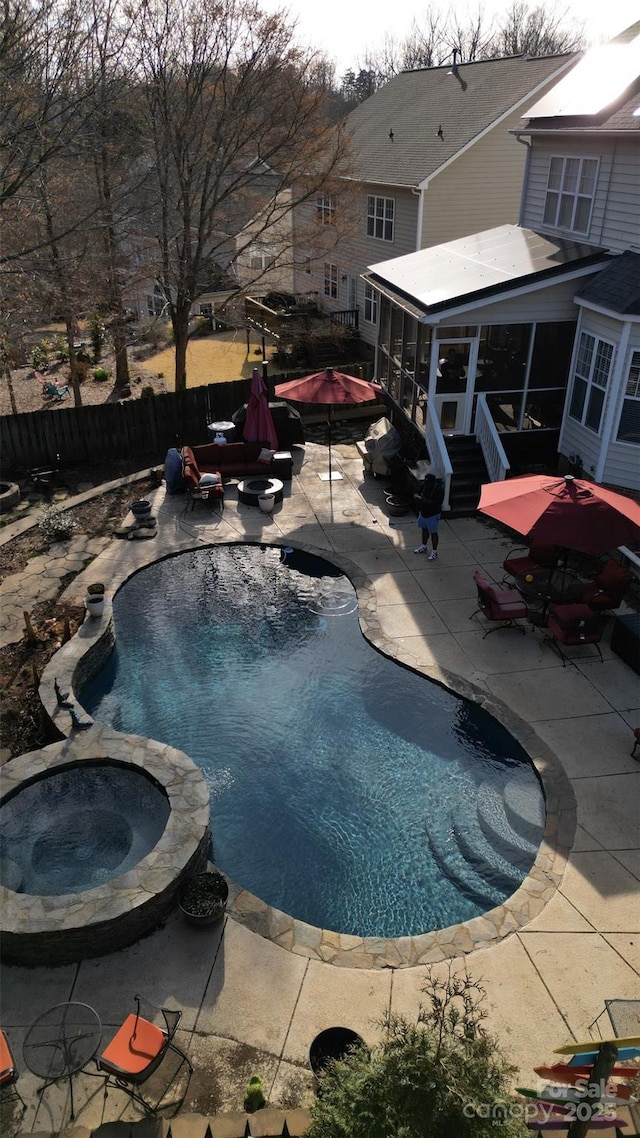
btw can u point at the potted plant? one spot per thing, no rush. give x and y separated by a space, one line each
94 599
254 1097
203 898
141 509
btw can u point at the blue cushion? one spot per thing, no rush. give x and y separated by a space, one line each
173 471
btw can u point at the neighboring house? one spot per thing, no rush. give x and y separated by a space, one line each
526 338
432 160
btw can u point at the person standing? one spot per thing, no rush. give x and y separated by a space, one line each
429 509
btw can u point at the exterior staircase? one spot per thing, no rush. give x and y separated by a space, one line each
469 472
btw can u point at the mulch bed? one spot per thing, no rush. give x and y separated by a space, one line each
23 726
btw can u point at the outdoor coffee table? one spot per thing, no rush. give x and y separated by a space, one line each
60 1042
250 489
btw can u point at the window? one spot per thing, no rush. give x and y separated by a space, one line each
570 192
590 379
325 209
380 216
330 280
629 429
370 304
260 257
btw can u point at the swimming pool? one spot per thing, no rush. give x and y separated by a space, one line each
345 790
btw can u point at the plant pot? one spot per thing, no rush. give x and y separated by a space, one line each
203 899
396 507
94 603
266 503
141 509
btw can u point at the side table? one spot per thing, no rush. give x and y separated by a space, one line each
282 465
625 639
61 1041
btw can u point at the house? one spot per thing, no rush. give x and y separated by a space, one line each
521 342
433 160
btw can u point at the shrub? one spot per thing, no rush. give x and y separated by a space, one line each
97 337
441 1077
61 349
40 356
254 1097
57 525
100 374
147 391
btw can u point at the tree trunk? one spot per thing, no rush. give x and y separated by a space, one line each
71 324
180 323
120 349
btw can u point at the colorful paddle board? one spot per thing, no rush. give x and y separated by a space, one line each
565 1123
575 1076
563 1073
552 1093
581 1048
591 1056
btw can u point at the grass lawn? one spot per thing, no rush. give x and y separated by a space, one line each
212 359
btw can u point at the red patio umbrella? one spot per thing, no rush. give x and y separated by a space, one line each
258 424
568 512
330 388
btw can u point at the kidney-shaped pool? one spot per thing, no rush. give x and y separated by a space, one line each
345 789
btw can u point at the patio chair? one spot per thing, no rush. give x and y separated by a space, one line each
539 556
607 590
503 605
636 738
572 625
137 1050
8 1072
51 391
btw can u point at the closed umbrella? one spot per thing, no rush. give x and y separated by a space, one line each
568 512
258 424
330 388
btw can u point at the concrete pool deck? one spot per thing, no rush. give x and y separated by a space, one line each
250 1004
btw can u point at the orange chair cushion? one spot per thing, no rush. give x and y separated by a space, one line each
6 1060
126 1053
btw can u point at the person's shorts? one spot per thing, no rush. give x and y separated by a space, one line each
430 524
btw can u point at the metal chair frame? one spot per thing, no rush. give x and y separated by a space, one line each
130 1081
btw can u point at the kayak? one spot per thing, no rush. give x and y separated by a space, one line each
562 1094
591 1056
564 1073
565 1123
580 1048
574 1076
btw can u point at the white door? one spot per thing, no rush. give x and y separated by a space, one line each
451 411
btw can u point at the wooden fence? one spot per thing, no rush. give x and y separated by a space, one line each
142 428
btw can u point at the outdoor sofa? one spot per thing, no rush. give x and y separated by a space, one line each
233 460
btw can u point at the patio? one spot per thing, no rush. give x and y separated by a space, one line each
253 1006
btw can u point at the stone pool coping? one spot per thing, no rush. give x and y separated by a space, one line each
70 927
83 656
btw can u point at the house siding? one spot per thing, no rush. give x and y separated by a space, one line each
622 466
615 218
467 197
548 304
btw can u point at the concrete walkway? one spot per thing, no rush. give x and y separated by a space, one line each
251 1006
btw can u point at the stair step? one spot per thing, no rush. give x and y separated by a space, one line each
525 810
501 835
452 863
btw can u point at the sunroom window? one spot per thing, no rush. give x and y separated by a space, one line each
629 427
590 380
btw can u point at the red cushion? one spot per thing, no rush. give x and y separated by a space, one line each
127 1052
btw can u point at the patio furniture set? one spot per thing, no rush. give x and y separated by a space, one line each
67 1037
205 468
573 612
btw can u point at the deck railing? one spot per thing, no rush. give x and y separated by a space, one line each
488 437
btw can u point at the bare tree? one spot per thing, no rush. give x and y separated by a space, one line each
431 41
239 133
542 30
40 49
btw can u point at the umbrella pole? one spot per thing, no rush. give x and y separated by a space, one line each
329 442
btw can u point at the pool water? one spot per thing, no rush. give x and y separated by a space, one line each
78 827
345 790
